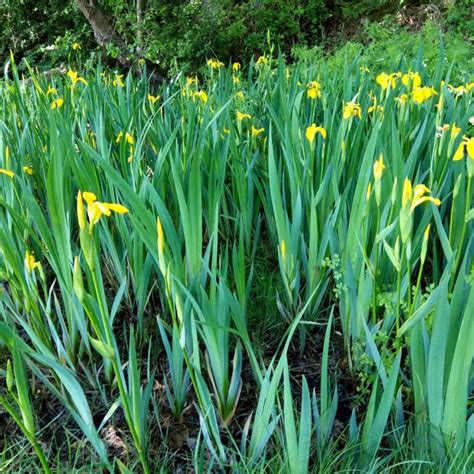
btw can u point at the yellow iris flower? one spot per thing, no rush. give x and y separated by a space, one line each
153 99
413 197
30 262
128 138
95 209
118 81
420 94
411 79
257 131
466 146
57 104
351 109
314 90
385 80
241 116
214 63
75 78
201 95
312 130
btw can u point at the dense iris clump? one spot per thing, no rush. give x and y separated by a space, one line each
260 267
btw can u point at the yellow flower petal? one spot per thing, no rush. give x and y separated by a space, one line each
89 197
115 207
459 154
9 173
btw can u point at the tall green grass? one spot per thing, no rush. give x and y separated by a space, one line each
131 221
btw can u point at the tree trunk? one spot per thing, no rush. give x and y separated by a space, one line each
140 10
104 32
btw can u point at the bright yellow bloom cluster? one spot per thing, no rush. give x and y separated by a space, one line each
463 89
385 80
214 63
236 67
27 170
420 94
411 79
76 46
314 90
312 130
262 60
51 90
351 109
